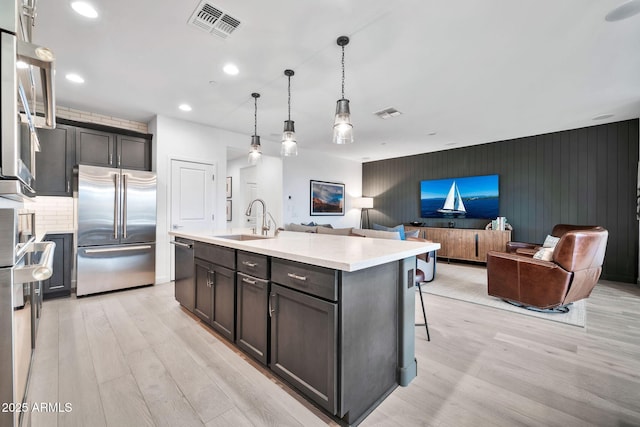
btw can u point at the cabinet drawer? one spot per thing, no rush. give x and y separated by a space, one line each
219 255
253 264
314 280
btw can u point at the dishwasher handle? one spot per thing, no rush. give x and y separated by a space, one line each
183 245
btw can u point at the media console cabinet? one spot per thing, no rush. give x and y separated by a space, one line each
468 244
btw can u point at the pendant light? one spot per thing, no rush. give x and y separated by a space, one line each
342 127
255 152
289 143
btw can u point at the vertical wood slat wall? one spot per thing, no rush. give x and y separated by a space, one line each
580 176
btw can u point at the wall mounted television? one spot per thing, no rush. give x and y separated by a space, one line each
464 197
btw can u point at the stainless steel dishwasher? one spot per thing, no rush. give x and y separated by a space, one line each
185 284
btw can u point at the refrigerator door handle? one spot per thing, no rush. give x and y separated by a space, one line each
124 206
119 249
116 205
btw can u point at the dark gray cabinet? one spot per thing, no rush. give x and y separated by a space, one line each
59 284
204 290
185 285
343 339
304 344
224 301
100 148
55 161
252 318
215 277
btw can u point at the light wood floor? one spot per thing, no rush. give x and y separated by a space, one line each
135 358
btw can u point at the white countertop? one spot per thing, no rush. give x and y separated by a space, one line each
347 253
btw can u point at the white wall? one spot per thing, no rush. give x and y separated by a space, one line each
311 165
269 188
178 139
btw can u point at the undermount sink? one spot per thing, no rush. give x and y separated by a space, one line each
244 237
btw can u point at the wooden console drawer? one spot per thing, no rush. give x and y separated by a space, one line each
215 254
314 280
255 265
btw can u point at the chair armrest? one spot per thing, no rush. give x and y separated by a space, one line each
530 281
512 247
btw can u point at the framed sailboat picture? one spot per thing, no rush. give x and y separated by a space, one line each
464 197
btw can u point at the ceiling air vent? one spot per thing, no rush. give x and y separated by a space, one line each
387 113
213 20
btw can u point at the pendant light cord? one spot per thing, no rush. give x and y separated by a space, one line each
343 72
289 97
255 116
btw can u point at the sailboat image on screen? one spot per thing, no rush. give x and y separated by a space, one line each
453 204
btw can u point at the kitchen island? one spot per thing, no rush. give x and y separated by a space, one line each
331 315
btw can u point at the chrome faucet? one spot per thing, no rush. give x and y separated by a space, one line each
265 227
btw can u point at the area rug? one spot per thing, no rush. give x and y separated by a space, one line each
469 283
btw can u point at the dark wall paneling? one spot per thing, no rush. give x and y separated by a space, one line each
580 176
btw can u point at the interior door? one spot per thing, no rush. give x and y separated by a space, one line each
192 195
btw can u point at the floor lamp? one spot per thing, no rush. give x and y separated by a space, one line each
364 203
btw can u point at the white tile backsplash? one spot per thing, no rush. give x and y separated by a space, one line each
88 117
53 213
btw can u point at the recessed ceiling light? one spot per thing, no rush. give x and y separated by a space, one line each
624 11
185 107
85 9
74 78
432 133
22 65
603 116
231 69
450 144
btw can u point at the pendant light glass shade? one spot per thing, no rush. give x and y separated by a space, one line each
289 145
342 127
255 151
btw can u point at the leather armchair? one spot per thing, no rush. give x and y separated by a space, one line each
569 277
558 231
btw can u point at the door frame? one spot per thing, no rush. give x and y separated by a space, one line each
170 159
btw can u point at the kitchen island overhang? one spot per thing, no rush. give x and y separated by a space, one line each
366 328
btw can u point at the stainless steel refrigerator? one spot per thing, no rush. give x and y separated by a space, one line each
116 214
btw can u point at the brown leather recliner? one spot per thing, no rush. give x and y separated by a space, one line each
558 231
569 277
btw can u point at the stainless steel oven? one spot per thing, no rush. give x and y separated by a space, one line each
19 140
24 263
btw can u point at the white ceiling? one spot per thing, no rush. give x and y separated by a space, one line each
471 71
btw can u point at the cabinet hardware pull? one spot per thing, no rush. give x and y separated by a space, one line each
249 281
68 186
298 277
56 287
213 278
271 310
249 264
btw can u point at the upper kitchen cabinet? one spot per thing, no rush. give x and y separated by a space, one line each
100 148
55 161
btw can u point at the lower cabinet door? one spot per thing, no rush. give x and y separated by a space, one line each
59 284
303 344
204 291
223 281
252 326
